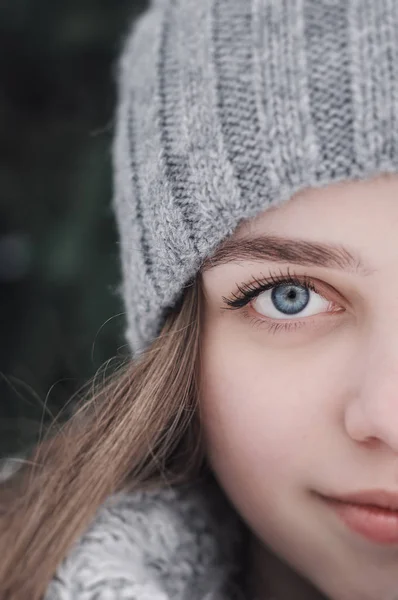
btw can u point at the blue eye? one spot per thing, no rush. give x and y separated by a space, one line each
287 300
281 297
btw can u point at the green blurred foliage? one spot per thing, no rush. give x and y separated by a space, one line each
61 317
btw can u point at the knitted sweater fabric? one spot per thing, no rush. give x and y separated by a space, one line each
174 543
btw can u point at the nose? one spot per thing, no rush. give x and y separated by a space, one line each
371 415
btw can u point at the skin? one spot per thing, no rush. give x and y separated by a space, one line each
313 409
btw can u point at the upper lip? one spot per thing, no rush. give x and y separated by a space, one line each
381 498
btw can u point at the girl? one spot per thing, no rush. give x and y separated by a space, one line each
249 450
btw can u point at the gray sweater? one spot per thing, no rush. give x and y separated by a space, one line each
180 543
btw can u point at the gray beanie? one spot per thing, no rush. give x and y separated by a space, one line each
228 107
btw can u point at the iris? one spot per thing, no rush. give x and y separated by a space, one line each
290 298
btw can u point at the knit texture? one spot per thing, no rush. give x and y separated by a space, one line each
179 543
228 107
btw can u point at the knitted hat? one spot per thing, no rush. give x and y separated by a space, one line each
228 107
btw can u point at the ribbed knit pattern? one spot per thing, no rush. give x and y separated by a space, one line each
228 107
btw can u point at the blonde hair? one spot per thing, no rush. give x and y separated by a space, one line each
140 430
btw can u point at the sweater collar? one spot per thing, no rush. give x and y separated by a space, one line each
183 542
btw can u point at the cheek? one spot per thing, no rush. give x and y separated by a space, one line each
248 432
258 417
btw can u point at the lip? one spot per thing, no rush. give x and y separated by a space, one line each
379 498
371 513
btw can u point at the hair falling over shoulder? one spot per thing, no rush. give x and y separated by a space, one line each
141 429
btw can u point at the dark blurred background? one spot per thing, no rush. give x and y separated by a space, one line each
60 315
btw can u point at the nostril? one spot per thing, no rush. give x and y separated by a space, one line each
372 442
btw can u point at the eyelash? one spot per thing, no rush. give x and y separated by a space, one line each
249 291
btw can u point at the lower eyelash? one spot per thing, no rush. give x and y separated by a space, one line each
272 326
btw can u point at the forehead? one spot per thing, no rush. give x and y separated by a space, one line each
320 209
354 221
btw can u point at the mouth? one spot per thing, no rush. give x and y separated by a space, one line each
373 514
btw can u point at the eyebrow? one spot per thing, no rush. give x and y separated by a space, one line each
282 249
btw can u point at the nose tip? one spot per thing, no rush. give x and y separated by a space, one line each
373 424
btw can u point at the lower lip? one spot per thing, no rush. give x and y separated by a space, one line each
376 524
